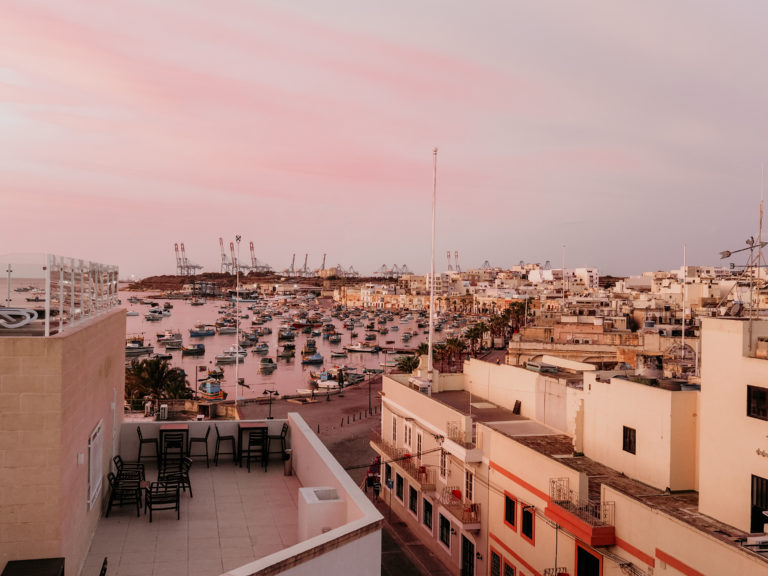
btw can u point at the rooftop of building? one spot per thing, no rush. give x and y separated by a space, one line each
234 518
683 506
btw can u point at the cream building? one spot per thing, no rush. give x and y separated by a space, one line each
503 470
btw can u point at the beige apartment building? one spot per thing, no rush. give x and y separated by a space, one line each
502 470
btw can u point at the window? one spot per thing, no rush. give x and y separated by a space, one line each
418 447
394 430
387 473
413 500
527 527
629 441
759 503
510 511
408 434
445 530
587 563
399 486
95 475
757 402
443 459
495 564
509 570
468 484
427 513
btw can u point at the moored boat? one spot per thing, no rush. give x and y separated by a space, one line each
193 350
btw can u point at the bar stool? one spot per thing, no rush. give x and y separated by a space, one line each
202 440
281 437
143 441
219 440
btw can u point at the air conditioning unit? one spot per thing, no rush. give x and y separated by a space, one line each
761 539
163 412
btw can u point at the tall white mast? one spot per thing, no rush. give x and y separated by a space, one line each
237 317
432 274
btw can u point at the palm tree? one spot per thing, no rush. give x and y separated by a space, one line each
154 376
408 364
439 353
473 334
422 349
454 348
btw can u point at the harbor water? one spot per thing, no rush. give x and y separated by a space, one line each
291 375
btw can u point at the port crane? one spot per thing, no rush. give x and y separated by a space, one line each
450 268
226 263
183 266
255 266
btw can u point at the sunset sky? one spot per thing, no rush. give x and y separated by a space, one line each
618 129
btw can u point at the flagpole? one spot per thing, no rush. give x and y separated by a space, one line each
432 275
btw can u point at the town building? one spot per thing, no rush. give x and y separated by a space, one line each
565 469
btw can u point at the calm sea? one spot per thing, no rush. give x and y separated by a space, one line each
290 374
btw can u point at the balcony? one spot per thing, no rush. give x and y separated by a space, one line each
420 475
592 522
466 513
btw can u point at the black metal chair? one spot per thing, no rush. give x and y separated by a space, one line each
103 571
178 475
128 470
256 447
174 445
127 491
281 437
143 441
163 496
219 440
201 440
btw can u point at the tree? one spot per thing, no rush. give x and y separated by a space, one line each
154 376
454 348
408 364
473 334
422 349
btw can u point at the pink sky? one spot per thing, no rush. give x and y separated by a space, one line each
308 127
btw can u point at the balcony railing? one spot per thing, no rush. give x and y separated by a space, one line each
466 512
423 475
593 513
455 433
42 294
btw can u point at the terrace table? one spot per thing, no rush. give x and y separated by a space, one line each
242 428
38 567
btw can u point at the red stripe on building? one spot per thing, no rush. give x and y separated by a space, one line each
636 552
514 554
518 480
676 564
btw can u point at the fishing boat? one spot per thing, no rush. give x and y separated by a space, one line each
287 353
231 355
168 337
201 330
310 347
198 302
162 356
131 313
267 365
210 389
361 347
193 350
313 359
227 329
134 346
261 348
334 339
338 354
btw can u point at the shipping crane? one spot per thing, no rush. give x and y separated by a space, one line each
304 269
179 263
456 258
291 270
187 267
450 268
226 263
322 266
255 266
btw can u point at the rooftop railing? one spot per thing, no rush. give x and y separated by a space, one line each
44 294
593 513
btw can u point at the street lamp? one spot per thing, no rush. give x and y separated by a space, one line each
270 393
